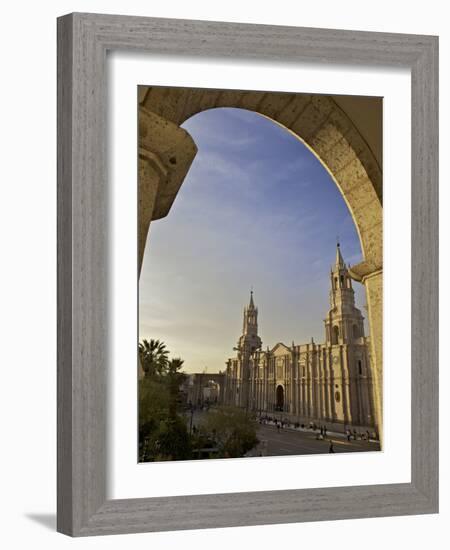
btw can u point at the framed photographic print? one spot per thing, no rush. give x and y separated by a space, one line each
257 203
247 274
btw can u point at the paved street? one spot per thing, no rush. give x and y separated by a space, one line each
293 442
288 441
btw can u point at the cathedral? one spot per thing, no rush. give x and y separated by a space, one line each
320 383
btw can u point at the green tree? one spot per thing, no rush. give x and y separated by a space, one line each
233 430
153 409
173 440
163 433
174 380
154 357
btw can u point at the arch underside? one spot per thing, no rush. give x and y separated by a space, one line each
320 123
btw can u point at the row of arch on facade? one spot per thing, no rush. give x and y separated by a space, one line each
336 334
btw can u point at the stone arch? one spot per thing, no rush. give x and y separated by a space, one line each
315 119
325 129
200 381
335 335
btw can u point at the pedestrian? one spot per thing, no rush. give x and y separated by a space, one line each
324 431
278 426
331 448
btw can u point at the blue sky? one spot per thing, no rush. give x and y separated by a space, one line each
257 209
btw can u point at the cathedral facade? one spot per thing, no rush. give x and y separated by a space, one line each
321 383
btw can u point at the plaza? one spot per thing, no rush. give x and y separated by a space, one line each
287 441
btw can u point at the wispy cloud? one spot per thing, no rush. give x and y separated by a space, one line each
256 209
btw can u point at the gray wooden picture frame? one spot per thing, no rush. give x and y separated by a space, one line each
83 309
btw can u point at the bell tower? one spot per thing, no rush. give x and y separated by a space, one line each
249 342
344 323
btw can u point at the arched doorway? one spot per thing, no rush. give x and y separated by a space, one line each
279 404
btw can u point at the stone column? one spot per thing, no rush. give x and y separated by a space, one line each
371 275
323 414
309 390
326 376
332 387
302 398
151 174
355 400
166 152
345 379
374 292
366 399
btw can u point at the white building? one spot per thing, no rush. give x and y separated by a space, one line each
322 383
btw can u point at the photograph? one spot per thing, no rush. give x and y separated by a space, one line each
254 333
228 241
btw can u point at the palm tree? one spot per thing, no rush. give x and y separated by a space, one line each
154 357
175 365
